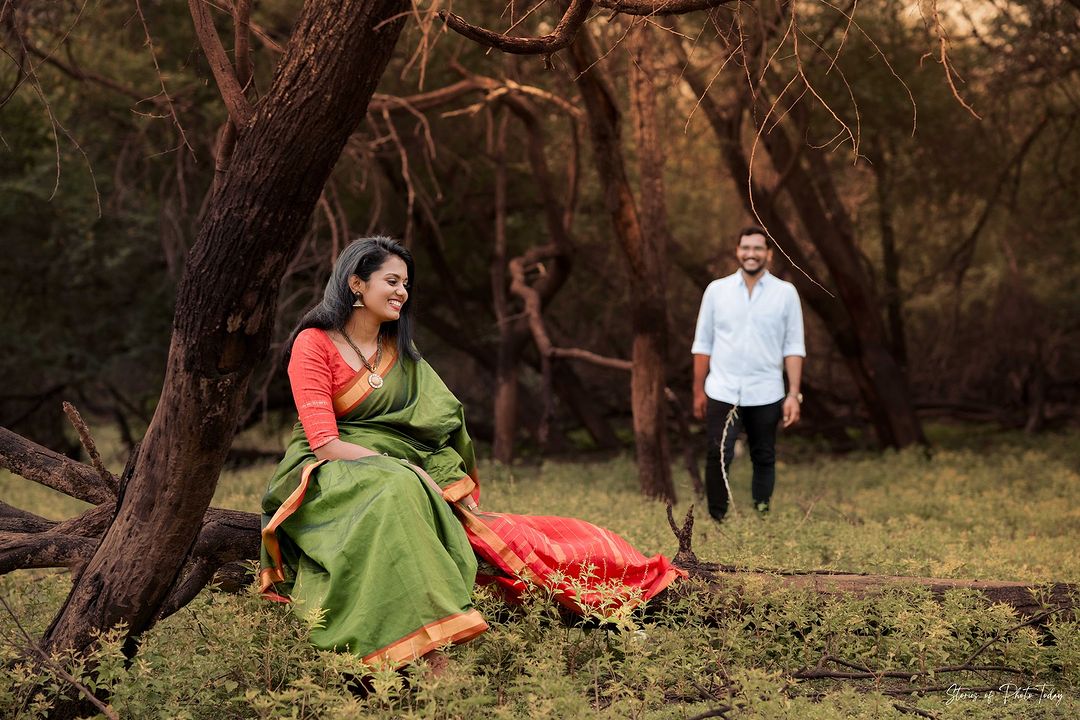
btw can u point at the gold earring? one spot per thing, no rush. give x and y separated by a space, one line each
359 301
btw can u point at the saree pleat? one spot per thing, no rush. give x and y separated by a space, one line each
381 553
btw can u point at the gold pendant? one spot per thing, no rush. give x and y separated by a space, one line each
375 380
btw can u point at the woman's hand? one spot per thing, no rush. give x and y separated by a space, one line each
340 450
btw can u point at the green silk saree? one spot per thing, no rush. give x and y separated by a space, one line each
372 544
386 547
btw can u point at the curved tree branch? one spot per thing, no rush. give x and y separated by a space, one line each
228 539
576 13
651 8
560 37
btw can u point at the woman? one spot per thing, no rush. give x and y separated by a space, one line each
372 517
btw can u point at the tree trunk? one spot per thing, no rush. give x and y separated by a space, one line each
505 417
648 302
508 361
225 310
890 260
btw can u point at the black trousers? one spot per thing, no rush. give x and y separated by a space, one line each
759 422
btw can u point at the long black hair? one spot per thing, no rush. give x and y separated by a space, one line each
361 258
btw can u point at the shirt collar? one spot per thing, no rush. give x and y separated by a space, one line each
742 279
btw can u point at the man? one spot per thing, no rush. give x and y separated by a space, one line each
749 332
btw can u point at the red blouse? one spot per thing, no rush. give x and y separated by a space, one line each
316 372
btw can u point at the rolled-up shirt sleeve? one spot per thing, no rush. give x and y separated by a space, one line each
703 333
794 343
311 379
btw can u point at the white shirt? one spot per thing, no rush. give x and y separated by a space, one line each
747 336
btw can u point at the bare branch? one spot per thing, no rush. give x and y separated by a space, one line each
685 557
594 358
228 537
161 78
652 8
232 92
91 448
422 101
91 524
405 173
531 298
572 20
223 152
560 37
78 73
932 18
242 42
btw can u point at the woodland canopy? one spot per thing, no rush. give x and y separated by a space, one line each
962 221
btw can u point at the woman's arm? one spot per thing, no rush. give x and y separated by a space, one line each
341 450
311 379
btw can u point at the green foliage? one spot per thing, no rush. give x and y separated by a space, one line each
995 506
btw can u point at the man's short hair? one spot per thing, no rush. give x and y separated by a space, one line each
754 230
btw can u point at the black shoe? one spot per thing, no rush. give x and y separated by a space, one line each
718 517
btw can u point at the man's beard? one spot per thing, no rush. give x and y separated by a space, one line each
755 271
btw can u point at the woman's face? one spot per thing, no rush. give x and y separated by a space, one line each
385 292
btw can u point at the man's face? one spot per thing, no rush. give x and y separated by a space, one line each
753 254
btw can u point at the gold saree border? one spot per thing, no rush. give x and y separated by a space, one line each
456 628
269 576
513 562
459 489
356 391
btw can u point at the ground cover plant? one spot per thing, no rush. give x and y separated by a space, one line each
983 505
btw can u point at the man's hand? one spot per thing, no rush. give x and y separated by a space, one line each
791 410
700 404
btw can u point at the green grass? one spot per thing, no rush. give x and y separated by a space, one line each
984 505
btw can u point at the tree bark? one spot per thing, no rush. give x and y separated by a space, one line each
225 309
648 303
650 294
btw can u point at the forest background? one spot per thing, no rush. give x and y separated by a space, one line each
963 228
918 164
